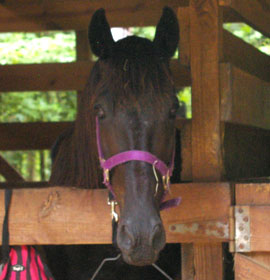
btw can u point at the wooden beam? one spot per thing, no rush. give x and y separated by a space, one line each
76 14
45 76
245 56
63 76
61 215
252 193
245 99
205 40
30 136
205 49
248 269
207 266
9 172
186 151
256 13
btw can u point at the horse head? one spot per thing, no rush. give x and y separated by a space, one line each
135 107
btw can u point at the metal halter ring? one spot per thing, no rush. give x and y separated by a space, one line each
156 176
166 182
107 175
113 203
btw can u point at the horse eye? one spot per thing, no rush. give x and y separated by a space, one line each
100 113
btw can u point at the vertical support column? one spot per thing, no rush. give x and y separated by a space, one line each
206 133
82 49
205 48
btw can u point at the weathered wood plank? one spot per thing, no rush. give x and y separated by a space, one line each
252 193
30 136
9 172
186 151
187 257
245 56
76 14
45 76
205 39
63 76
245 99
248 269
254 13
205 49
77 216
206 265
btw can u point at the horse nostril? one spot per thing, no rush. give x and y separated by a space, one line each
126 239
158 237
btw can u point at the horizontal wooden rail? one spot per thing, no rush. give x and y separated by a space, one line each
245 99
30 136
77 216
39 135
245 56
63 76
76 14
8 172
256 13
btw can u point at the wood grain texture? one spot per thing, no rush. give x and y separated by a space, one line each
208 262
248 269
30 136
76 14
61 215
207 165
186 151
252 194
63 76
245 99
205 38
256 13
187 255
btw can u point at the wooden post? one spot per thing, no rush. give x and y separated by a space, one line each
206 132
82 50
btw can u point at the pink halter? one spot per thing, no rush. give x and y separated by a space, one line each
110 163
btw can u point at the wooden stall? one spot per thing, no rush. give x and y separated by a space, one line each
227 139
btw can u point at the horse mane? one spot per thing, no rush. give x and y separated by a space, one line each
134 72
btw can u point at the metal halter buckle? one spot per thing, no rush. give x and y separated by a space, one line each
166 182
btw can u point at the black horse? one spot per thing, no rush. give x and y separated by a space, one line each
130 98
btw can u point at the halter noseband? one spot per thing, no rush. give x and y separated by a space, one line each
118 159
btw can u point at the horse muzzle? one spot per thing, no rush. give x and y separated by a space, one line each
141 247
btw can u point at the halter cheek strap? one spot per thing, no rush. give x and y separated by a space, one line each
137 155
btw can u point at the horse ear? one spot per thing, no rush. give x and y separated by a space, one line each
99 35
167 33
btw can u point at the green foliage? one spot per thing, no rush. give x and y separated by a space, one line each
37 47
184 96
36 106
251 36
